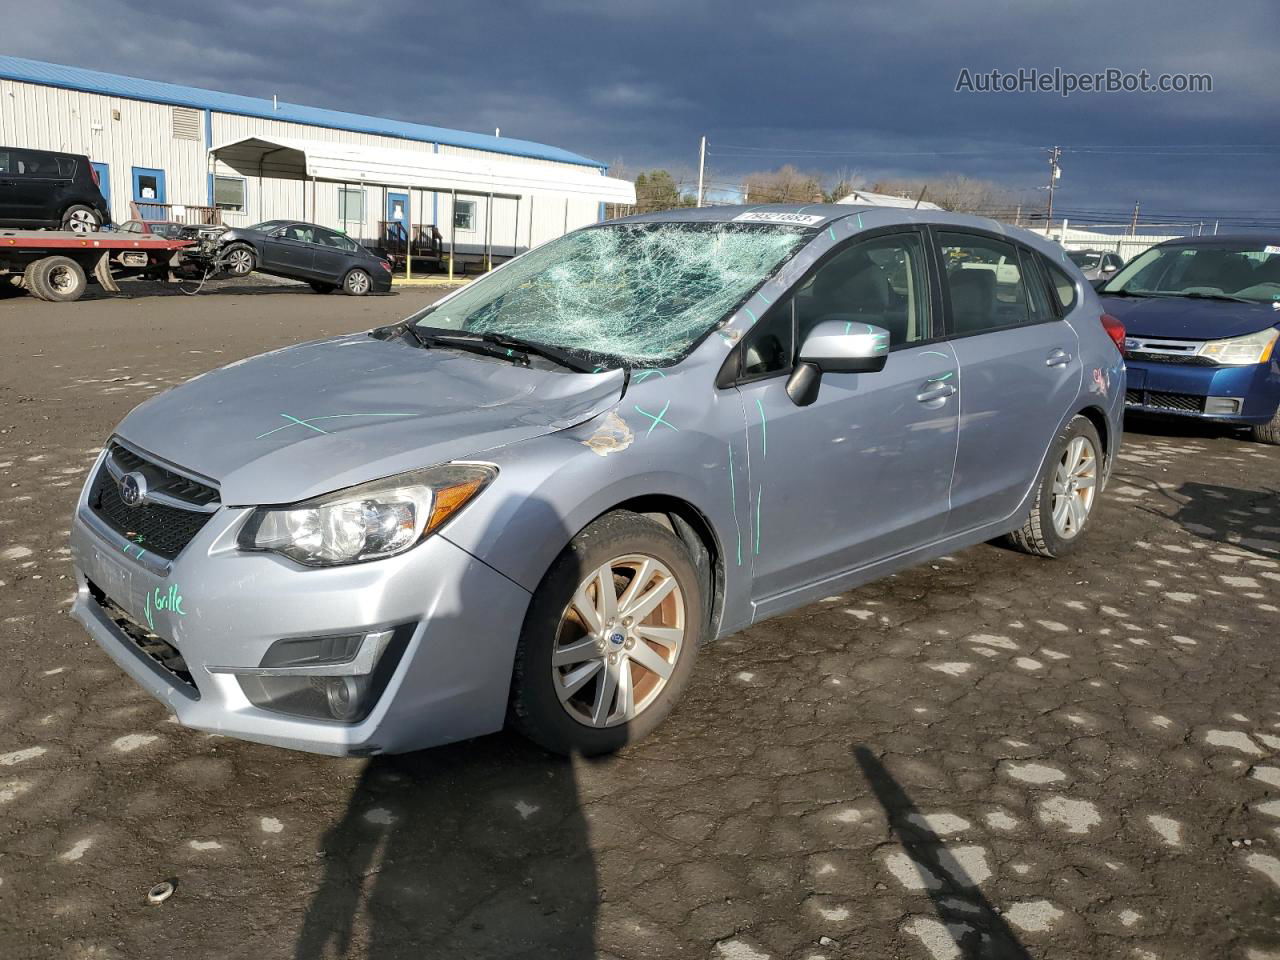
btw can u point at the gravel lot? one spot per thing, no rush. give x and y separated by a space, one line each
986 756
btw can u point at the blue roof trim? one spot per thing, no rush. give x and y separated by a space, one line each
135 88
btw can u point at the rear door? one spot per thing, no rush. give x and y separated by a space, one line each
32 184
333 253
1019 372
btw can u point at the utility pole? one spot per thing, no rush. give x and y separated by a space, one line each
1215 228
1054 173
702 166
1017 216
1133 224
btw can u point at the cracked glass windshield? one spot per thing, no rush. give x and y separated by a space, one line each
639 293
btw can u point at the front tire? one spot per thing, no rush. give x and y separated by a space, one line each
609 642
1268 432
356 283
240 260
1066 494
81 219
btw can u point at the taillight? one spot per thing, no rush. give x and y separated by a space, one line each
93 172
386 265
1115 330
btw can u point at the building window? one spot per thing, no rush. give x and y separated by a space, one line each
350 204
228 193
464 215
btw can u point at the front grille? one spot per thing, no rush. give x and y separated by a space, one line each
1157 400
160 528
159 650
1187 360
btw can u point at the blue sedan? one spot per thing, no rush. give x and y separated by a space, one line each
1202 316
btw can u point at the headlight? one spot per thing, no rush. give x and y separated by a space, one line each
1240 351
366 522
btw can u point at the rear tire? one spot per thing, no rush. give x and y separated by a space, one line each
58 279
356 283
1066 493
1268 432
567 718
81 219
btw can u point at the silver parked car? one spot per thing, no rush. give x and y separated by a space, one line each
1096 264
533 501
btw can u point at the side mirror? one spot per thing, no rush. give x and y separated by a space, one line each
836 346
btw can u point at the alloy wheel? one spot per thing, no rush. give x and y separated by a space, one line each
82 221
618 640
1075 484
358 282
240 261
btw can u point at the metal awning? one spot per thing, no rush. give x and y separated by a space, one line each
290 159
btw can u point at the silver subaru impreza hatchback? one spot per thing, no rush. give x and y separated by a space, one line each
532 502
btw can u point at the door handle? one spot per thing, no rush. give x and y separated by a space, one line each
1058 358
931 391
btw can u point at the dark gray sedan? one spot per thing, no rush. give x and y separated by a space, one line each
324 258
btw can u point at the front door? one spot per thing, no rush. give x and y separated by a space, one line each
398 212
863 473
290 250
1019 372
149 193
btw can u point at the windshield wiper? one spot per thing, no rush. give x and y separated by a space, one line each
470 343
546 351
1216 296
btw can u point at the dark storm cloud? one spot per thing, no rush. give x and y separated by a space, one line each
866 87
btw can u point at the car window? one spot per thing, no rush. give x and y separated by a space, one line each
985 282
300 231
66 167
329 238
1039 307
879 281
31 164
129 226
5 162
1064 288
769 346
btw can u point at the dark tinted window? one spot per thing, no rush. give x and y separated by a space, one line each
880 281
330 239
66 167
300 231
985 280
1039 306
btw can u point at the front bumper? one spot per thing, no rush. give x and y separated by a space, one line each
1204 392
451 683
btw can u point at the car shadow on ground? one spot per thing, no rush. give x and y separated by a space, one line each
1228 515
474 850
978 930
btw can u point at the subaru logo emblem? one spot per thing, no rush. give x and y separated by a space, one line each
616 639
133 489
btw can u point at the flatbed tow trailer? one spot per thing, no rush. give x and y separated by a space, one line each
56 264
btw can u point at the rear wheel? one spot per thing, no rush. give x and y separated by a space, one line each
81 219
609 642
1066 494
240 260
357 283
1268 432
59 279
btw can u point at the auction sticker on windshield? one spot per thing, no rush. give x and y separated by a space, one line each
763 216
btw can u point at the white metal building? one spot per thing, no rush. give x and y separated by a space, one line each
166 150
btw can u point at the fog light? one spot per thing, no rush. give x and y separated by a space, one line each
1219 406
324 678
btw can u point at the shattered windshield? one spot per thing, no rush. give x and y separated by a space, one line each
634 293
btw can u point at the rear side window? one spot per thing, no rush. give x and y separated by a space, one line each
4 162
984 277
1064 288
66 167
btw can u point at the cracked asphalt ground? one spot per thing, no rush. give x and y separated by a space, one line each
989 755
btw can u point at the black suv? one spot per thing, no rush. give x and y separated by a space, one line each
40 188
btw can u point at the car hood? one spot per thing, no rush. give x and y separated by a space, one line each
305 420
1180 318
